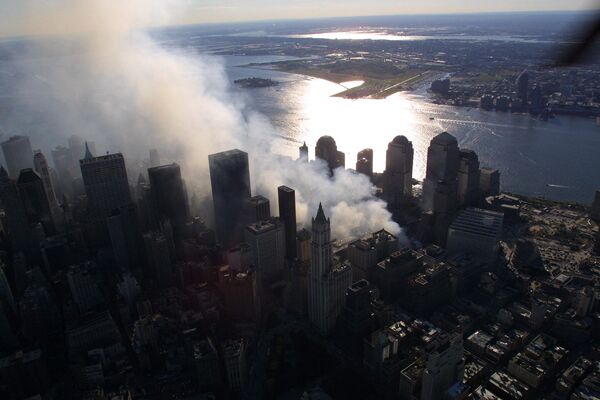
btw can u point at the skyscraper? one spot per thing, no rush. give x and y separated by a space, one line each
327 151
442 165
169 194
154 158
328 279
468 178
41 167
158 253
77 148
33 195
303 152
397 177
444 367
523 88
258 208
125 237
105 181
18 154
267 245
364 162
230 182
489 181
16 219
287 214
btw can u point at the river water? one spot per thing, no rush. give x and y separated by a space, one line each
557 159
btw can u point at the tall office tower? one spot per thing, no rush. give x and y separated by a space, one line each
287 214
442 165
364 162
328 279
105 181
16 218
444 367
84 287
257 208
158 255
77 147
41 167
125 238
6 294
364 254
537 100
327 151
267 244
206 361
230 182
169 194
33 196
61 156
18 154
154 158
356 318
468 178
397 177
8 339
523 88
595 214
240 294
303 152
489 181
303 248
234 353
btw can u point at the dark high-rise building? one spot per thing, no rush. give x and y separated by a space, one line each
230 182
18 154
442 165
33 196
258 208
105 182
537 100
468 178
287 214
169 194
356 318
328 278
523 88
267 244
397 178
154 158
303 152
77 147
327 151
160 263
41 167
489 181
595 214
125 237
364 162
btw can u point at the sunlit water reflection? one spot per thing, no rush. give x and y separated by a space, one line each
557 159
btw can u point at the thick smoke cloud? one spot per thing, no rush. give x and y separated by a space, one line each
115 85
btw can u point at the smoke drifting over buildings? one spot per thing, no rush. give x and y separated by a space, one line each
120 88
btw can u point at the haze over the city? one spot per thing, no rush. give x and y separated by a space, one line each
22 17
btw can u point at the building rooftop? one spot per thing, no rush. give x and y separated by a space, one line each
479 222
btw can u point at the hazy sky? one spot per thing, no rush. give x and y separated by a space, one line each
239 10
47 16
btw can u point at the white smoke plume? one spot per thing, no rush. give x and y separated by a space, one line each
128 93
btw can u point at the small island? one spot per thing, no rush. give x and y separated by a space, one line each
252 83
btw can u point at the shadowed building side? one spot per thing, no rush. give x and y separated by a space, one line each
230 182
